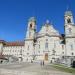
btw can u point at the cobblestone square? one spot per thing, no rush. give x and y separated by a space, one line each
29 69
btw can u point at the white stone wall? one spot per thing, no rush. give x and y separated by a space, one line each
1 47
69 30
69 34
13 50
29 51
70 46
53 44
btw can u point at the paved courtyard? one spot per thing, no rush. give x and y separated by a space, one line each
29 69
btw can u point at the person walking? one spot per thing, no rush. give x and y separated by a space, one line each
43 63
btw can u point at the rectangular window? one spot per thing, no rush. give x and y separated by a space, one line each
72 53
28 47
46 45
27 53
71 47
53 52
70 30
54 45
38 51
39 46
62 46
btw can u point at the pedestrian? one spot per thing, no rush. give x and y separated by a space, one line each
31 61
43 63
1 61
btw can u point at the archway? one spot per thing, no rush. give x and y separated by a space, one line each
46 57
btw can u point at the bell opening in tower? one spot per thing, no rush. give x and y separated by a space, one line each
69 20
30 25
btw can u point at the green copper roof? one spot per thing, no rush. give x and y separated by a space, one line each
32 19
69 13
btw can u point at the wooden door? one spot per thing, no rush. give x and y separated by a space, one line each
46 56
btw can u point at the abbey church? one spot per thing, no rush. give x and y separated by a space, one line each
46 45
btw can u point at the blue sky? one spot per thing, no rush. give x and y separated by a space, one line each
14 15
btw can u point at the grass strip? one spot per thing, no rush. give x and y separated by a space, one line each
64 68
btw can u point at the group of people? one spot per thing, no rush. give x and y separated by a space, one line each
42 63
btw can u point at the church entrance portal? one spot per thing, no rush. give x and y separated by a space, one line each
46 57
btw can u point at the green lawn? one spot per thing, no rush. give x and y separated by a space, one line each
64 68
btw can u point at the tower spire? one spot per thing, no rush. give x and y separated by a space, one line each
47 21
67 7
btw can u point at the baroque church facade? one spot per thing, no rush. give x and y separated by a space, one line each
46 45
